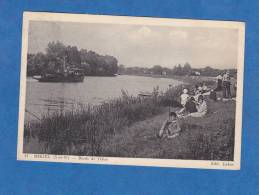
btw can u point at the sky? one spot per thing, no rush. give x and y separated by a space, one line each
142 45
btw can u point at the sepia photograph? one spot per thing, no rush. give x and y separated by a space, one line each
131 91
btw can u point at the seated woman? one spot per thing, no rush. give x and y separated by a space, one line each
197 94
190 106
171 127
201 108
196 90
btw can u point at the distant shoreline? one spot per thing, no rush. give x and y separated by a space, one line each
149 75
185 79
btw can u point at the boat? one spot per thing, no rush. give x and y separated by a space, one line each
67 74
73 75
145 94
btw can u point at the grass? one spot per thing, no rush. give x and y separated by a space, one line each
127 127
207 138
82 131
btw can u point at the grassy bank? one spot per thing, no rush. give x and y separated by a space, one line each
127 127
82 131
207 138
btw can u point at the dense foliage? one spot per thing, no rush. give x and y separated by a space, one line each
178 70
57 53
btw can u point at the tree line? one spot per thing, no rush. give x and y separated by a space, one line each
57 53
178 70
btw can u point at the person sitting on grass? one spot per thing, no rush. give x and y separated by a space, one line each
198 93
171 127
213 95
190 106
201 108
184 98
204 88
196 90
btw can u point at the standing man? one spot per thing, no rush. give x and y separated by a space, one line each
219 82
226 85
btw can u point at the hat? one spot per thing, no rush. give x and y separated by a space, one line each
185 90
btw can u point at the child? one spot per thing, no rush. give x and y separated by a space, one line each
184 99
171 127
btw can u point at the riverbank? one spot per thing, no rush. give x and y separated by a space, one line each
207 138
127 127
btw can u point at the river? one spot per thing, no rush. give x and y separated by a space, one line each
42 98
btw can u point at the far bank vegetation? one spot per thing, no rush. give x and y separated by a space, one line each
56 53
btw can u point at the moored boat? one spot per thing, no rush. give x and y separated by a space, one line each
145 94
67 74
72 75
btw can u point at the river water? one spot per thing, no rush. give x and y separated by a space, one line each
43 98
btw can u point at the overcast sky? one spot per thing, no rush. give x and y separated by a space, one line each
143 46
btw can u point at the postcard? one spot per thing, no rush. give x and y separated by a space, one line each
137 91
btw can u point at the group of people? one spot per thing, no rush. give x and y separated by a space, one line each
194 105
224 85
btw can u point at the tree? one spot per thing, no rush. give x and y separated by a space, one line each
208 71
177 70
157 69
57 53
73 56
36 63
186 70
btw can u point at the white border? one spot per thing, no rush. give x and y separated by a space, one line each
85 18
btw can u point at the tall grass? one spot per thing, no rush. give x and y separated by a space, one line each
207 138
81 131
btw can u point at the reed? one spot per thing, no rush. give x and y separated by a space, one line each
82 130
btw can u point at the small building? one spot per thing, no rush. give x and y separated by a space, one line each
195 73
